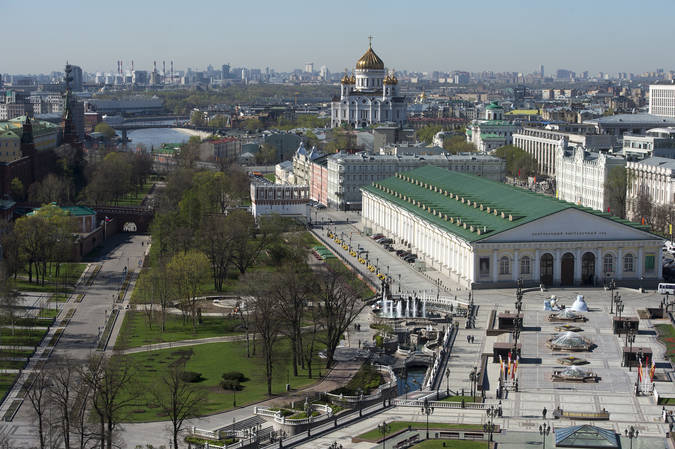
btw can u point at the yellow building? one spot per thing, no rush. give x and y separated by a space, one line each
10 146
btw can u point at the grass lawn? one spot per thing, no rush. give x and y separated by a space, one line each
6 381
133 199
270 177
12 364
375 434
458 399
452 444
666 401
21 337
212 360
69 274
666 334
135 331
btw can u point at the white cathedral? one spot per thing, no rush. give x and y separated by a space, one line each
368 97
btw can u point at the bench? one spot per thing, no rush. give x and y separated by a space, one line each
408 442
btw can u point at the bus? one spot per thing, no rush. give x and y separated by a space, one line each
666 289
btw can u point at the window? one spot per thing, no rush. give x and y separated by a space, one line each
484 266
525 265
628 263
504 265
649 262
608 263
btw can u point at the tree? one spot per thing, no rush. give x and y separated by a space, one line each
426 133
266 155
615 189
17 189
10 303
188 271
457 143
157 288
264 307
643 206
111 179
37 396
189 153
215 240
105 129
253 124
247 244
52 189
177 399
340 304
62 395
197 119
107 380
519 163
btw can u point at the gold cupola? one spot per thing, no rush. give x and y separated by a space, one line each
370 61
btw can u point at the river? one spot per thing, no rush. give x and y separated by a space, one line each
155 137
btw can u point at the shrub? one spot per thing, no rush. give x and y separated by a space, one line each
234 375
191 376
230 384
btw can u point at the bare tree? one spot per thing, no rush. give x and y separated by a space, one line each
340 305
62 395
177 399
107 380
242 309
643 205
37 396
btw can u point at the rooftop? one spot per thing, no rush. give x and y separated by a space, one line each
412 157
662 162
468 206
585 436
642 119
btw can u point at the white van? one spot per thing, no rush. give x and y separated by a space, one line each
666 288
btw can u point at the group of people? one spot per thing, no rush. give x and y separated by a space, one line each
470 338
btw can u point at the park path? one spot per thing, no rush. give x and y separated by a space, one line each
182 343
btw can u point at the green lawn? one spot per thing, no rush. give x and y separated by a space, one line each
458 399
452 444
21 337
375 434
69 274
666 334
133 199
6 381
12 364
212 360
270 177
135 331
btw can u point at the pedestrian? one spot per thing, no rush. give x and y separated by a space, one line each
543 413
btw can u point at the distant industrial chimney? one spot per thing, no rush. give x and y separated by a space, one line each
132 66
171 72
163 68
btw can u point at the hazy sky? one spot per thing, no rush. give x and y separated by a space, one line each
513 35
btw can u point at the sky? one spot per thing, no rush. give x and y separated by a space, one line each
421 35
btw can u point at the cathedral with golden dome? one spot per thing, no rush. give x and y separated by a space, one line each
368 96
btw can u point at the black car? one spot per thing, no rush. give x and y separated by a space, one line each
385 241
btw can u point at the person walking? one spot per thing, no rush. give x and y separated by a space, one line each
543 413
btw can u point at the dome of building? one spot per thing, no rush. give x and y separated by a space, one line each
345 79
569 341
370 61
494 105
390 79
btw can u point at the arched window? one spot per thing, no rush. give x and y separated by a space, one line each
608 263
504 267
628 263
525 265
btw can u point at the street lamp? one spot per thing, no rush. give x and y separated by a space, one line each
427 410
447 381
517 322
630 339
631 433
612 286
619 306
383 428
473 377
490 426
544 430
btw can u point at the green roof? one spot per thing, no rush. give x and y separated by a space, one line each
75 211
468 206
486 136
494 105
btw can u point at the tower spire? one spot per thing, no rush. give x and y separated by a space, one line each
370 41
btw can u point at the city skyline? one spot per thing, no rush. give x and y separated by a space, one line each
491 36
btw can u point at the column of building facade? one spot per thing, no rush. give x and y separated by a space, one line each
516 266
556 267
577 265
619 264
495 268
641 255
599 263
536 270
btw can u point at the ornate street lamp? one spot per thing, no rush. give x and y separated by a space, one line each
473 377
427 410
544 430
447 381
612 286
490 425
631 433
383 428
630 339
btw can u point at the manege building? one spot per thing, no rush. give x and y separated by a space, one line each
487 234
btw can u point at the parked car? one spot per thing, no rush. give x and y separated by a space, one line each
385 241
400 252
380 239
404 254
377 236
411 258
389 248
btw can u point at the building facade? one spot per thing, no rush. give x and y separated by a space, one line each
347 173
542 143
282 199
657 142
369 96
654 176
581 176
485 234
662 100
10 146
493 131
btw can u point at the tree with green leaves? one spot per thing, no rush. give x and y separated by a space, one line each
188 271
519 163
17 189
105 129
426 133
266 155
615 190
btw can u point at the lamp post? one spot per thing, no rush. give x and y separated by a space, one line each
630 339
517 322
427 410
473 377
631 433
490 426
612 286
544 430
384 428
619 306
447 381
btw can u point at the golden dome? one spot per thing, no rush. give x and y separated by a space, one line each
390 79
345 79
370 61
352 79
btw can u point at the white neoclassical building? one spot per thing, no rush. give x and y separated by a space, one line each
488 234
581 176
369 96
654 176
